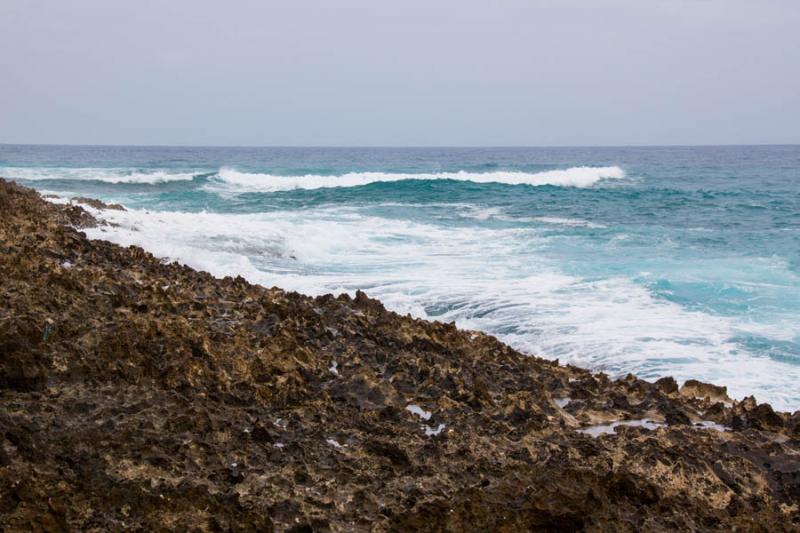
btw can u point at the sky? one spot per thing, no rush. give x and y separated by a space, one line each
401 73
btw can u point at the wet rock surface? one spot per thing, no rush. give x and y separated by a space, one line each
136 394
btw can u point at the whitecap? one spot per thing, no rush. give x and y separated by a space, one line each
572 222
107 175
229 180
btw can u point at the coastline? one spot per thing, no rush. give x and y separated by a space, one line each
142 394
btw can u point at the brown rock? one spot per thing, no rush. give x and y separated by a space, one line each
97 204
697 389
149 396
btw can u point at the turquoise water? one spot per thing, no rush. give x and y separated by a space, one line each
657 261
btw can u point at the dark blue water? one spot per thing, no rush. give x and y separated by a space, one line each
679 261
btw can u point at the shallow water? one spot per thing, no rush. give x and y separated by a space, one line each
656 261
608 429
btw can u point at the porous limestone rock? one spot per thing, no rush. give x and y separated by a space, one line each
136 394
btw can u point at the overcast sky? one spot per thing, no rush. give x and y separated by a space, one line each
406 72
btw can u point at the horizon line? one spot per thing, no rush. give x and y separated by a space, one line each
416 147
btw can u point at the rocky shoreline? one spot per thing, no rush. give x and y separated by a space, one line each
136 394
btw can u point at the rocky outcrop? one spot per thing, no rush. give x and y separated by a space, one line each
136 394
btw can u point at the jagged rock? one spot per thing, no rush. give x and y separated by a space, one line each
97 204
697 389
667 385
141 395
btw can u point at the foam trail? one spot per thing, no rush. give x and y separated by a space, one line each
230 180
107 175
489 279
573 222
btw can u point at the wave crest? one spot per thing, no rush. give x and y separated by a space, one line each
235 181
106 175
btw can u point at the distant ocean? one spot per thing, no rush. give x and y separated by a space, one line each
655 261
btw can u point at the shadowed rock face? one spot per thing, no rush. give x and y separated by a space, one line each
138 394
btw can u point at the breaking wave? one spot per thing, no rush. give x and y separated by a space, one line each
235 181
107 175
498 280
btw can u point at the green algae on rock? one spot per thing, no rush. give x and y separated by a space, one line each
144 395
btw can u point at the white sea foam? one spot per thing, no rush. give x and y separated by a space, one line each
230 180
708 424
494 280
108 175
479 213
234 181
573 222
497 213
608 429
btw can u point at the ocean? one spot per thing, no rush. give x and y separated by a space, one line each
680 261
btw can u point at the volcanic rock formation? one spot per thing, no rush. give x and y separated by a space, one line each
136 394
